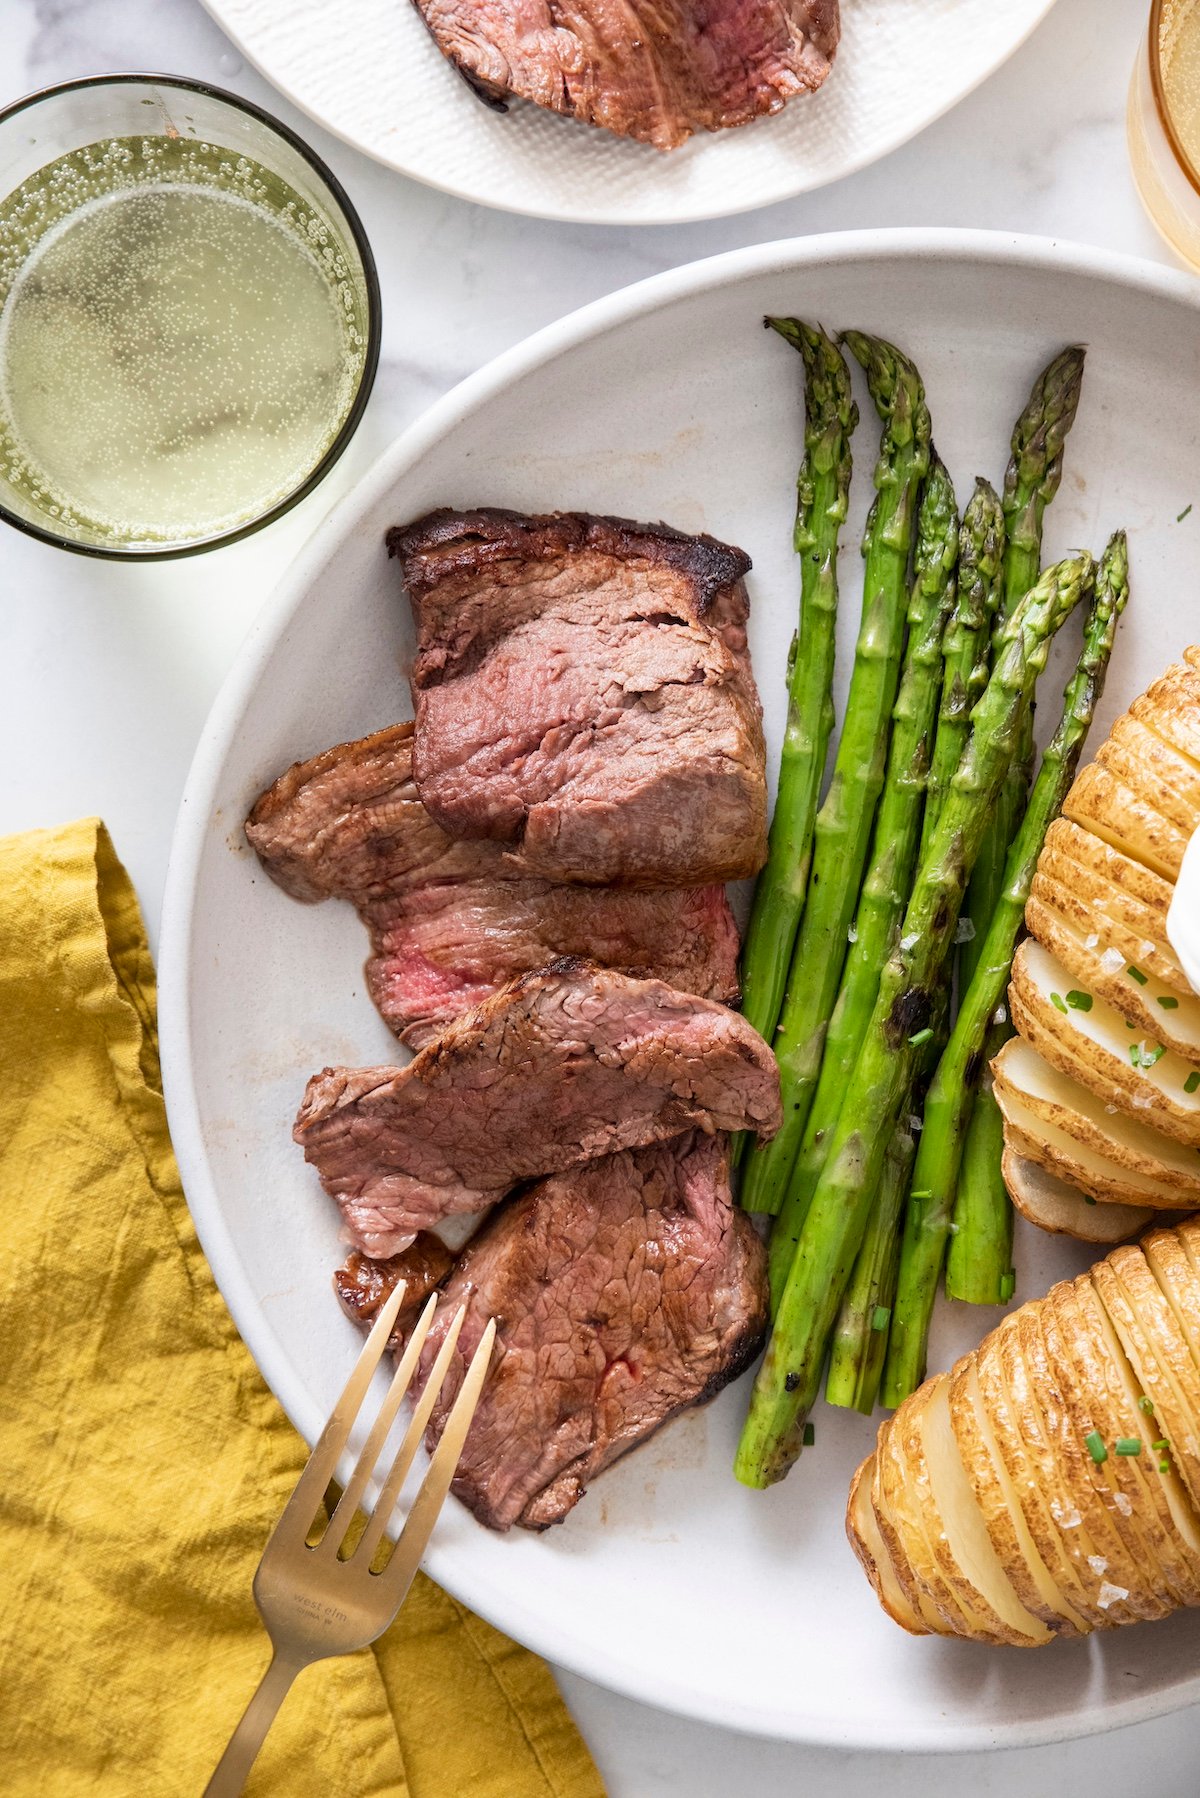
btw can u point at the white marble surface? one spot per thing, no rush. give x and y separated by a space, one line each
107 672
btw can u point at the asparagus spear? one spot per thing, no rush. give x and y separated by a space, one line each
893 848
967 649
880 1085
843 826
979 1261
935 1176
823 486
860 1337
1031 481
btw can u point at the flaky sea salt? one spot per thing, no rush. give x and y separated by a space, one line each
1123 1503
1112 961
964 931
1091 941
1110 1594
1098 1564
1000 1015
1065 1516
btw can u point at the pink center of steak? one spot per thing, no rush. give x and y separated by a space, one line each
558 1068
583 689
451 922
623 1292
656 70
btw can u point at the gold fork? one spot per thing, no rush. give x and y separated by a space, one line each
314 1602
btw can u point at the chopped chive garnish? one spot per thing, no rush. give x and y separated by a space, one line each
1008 1285
881 1317
1147 1405
1088 1199
1191 1083
1128 1445
1136 974
1057 1000
1161 1446
921 1036
1135 1055
810 1435
1168 1002
1079 1001
1164 1467
1180 516
1094 1443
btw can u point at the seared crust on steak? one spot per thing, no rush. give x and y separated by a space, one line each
559 1067
451 922
583 692
624 1292
363 1285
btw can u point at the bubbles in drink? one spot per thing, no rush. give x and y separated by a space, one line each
1179 60
180 341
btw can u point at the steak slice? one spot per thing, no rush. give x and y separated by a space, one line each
451 922
623 1291
582 688
559 1067
656 72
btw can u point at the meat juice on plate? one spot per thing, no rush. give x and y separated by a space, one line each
180 342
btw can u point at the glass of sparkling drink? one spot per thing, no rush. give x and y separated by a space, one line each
1163 122
189 317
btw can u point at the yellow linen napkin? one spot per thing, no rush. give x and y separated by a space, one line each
144 1460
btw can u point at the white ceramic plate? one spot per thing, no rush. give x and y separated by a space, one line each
369 71
669 1581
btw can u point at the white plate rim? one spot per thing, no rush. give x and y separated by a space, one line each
527 1625
580 215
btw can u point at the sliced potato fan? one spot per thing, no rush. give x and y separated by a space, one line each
1094 1180
998 1500
1169 782
872 1552
1108 922
1171 708
1101 802
1124 1143
1163 1014
1044 1197
1050 1484
1096 1046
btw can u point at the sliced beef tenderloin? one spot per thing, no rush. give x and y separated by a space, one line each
583 693
451 922
623 1291
557 1068
363 1285
655 72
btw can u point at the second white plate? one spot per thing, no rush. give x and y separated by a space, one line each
369 71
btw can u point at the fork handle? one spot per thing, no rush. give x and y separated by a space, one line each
235 1764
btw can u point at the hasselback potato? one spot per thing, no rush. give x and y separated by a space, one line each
1049 1484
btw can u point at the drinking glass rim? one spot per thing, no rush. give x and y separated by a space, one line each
1160 99
366 381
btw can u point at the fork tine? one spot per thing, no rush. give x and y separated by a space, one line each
348 1504
301 1507
389 1492
418 1525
